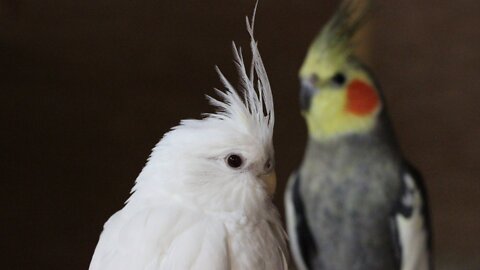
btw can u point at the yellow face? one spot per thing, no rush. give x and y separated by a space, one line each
337 101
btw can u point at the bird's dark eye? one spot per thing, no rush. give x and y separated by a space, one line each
234 161
339 79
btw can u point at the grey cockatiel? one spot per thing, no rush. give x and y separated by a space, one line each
354 203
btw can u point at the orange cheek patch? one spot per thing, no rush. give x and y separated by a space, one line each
361 98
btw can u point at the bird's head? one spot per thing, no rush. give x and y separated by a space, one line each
338 95
225 160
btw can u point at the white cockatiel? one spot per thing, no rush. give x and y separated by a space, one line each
203 200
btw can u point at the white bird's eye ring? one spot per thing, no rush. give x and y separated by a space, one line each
235 161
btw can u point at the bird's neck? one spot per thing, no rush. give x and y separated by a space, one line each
380 137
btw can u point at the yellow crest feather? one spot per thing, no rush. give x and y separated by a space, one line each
333 46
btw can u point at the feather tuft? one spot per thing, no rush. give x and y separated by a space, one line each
254 108
334 45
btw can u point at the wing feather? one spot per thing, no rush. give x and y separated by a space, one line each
301 240
411 225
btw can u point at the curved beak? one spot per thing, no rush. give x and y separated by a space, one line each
307 90
270 180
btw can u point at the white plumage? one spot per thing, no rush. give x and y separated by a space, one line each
411 229
190 209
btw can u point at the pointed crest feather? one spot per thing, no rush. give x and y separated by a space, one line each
255 110
334 44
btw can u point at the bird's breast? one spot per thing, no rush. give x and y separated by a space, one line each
255 247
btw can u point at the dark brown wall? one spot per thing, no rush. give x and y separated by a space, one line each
88 87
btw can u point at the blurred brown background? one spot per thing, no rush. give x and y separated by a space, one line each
88 87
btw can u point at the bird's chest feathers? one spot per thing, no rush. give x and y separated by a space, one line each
250 252
343 178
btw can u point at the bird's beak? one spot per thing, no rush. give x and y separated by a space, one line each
270 180
307 90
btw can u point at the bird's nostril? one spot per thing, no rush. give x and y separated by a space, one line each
313 79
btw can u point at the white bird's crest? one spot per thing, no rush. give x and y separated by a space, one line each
255 111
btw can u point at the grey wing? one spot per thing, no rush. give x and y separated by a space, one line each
302 243
410 224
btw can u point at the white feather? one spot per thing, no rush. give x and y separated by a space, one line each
188 209
412 233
